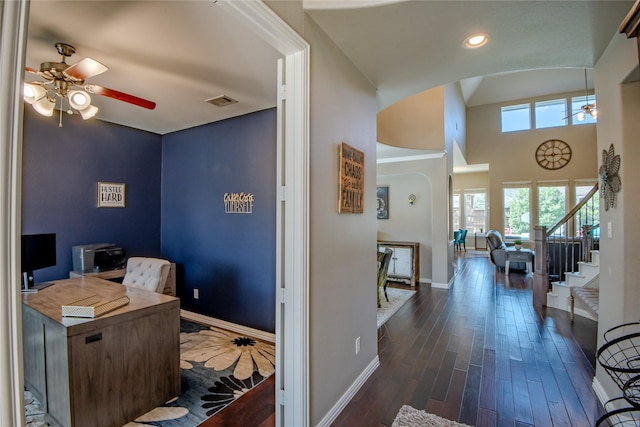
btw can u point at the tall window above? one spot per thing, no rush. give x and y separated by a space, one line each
551 113
576 109
516 117
516 199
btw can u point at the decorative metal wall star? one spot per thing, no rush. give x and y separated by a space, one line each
610 182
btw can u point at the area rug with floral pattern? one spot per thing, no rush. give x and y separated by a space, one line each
217 367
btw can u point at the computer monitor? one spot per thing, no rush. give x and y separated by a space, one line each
38 251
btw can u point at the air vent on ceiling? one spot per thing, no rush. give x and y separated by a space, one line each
221 101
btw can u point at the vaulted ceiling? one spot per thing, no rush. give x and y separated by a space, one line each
181 53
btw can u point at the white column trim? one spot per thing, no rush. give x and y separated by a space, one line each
14 15
292 281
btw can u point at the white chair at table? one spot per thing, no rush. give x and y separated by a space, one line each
147 273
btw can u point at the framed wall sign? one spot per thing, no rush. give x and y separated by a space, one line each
351 191
111 195
382 195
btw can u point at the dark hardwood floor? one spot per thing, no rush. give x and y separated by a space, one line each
478 353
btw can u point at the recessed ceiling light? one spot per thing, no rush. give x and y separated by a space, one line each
475 41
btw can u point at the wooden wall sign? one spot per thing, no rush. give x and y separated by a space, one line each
351 192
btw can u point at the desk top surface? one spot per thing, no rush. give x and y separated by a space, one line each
49 301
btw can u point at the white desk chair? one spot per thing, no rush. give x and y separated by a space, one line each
147 273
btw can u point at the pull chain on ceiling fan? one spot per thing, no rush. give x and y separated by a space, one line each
67 82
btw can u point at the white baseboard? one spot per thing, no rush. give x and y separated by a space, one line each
599 390
233 327
440 285
331 416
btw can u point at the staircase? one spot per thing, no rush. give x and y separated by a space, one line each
571 251
588 276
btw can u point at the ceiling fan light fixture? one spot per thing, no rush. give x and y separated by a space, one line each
88 112
79 99
594 113
580 116
44 106
475 41
33 92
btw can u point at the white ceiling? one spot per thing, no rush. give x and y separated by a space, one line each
175 53
180 53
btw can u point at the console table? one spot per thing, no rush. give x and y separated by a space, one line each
405 261
101 372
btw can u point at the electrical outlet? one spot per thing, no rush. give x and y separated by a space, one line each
196 294
357 345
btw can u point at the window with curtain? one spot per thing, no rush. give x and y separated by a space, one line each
475 210
516 201
552 204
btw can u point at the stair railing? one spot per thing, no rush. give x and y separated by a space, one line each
569 241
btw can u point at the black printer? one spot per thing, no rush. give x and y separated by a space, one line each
97 257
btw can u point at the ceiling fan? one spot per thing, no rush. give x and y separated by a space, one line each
63 81
588 108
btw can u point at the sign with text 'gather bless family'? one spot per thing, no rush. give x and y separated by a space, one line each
351 192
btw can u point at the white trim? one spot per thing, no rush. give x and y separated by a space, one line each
441 285
233 327
292 323
411 158
13 35
599 390
344 400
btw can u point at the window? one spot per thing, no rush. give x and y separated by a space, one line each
456 210
552 204
576 109
475 211
551 113
589 214
516 199
516 117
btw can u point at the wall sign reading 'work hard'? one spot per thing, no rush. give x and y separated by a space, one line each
111 195
351 197
238 203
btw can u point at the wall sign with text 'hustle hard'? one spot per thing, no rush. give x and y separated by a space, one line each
351 197
238 203
111 195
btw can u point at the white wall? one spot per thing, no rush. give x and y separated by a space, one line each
409 223
618 112
343 246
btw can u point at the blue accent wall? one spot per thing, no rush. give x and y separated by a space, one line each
229 258
61 169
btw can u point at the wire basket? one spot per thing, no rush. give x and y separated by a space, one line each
619 416
620 357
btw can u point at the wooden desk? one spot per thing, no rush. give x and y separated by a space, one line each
101 372
169 286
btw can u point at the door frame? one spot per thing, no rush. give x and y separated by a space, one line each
292 281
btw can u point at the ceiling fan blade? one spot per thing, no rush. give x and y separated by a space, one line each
120 96
84 69
31 70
